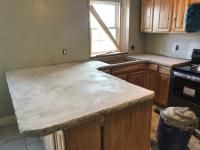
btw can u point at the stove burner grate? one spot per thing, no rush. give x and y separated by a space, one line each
196 68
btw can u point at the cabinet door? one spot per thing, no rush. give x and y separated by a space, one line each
147 16
194 1
163 89
128 129
85 136
163 15
152 82
137 78
180 9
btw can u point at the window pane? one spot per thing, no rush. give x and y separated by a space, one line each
99 39
107 13
113 32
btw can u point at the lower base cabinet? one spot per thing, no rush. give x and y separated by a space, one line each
151 76
126 129
152 82
158 80
82 137
137 78
85 137
164 81
122 76
134 73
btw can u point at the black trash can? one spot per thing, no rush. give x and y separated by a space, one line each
175 128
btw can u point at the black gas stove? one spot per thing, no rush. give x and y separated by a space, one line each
185 84
194 67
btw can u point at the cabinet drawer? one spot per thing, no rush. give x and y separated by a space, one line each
128 69
153 67
164 70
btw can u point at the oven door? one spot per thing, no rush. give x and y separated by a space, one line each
185 91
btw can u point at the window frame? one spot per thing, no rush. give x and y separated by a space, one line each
117 16
121 28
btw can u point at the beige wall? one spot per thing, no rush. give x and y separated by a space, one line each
136 38
165 44
34 32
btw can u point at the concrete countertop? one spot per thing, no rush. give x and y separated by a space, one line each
47 99
161 60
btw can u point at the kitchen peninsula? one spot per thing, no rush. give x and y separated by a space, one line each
76 106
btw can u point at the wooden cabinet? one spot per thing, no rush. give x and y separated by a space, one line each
152 79
152 82
135 73
179 13
122 76
125 129
105 69
163 89
162 15
128 129
85 137
166 15
147 15
158 79
137 78
194 1
164 81
128 69
152 76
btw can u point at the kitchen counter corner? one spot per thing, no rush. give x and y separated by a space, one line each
47 99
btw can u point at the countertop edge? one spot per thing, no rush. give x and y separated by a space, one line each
187 61
85 119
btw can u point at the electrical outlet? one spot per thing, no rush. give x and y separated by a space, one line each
177 47
132 47
65 51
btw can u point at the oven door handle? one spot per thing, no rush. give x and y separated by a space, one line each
187 77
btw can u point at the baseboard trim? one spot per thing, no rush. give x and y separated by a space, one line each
6 121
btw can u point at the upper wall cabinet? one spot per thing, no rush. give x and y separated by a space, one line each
147 15
164 16
194 1
180 8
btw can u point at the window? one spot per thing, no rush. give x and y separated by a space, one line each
106 27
